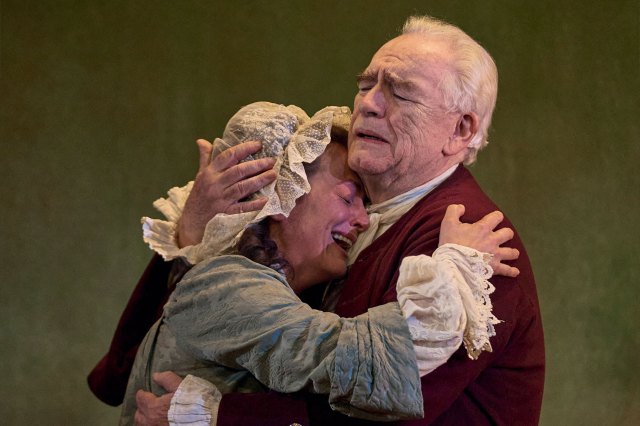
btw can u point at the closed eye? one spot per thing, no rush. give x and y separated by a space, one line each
366 81
347 201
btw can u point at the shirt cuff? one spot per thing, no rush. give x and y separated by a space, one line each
445 299
220 234
161 235
195 403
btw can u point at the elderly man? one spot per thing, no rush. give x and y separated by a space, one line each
423 108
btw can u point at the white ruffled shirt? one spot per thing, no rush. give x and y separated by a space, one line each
445 297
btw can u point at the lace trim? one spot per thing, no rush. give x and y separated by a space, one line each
451 290
221 232
421 334
475 290
287 133
160 234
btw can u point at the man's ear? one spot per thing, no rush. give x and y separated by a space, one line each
466 128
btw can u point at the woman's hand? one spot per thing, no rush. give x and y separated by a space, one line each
480 236
220 185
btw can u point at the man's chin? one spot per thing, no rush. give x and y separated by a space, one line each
370 158
366 165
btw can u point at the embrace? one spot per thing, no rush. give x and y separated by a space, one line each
370 203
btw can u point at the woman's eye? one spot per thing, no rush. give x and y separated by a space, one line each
347 201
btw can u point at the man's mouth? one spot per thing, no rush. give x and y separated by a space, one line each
344 242
370 136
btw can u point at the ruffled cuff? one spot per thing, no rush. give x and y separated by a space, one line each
161 235
195 403
446 300
221 232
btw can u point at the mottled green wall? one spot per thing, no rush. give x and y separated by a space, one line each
101 103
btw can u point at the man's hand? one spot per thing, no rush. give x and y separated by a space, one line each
220 185
153 410
480 236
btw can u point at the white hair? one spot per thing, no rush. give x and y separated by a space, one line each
474 85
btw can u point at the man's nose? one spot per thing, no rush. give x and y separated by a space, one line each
372 103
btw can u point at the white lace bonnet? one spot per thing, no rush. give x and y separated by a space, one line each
288 134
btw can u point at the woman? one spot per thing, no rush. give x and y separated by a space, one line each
235 319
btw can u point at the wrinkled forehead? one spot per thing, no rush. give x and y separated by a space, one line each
410 53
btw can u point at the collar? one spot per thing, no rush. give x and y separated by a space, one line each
385 214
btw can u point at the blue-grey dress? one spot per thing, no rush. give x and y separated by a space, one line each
239 325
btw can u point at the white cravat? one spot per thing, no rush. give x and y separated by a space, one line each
385 214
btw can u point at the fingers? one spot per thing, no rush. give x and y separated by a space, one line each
502 235
144 398
504 270
492 219
204 148
138 419
506 253
454 213
247 206
245 187
503 254
168 380
246 170
152 410
233 156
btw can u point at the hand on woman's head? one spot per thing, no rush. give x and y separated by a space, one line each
221 185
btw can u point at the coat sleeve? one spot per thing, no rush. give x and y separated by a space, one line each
108 379
503 386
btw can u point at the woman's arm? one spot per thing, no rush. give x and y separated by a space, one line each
244 316
435 274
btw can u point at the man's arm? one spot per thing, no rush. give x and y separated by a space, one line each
503 386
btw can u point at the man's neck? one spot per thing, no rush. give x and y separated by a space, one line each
379 190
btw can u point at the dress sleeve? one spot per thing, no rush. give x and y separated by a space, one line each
244 316
445 299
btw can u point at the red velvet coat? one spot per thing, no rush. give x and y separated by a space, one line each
502 387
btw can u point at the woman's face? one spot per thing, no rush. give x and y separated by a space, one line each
324 224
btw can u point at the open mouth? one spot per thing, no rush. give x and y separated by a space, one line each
342 241
370 137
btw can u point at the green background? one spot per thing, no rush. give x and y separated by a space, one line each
101 103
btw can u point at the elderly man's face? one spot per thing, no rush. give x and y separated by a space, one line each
400 124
